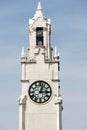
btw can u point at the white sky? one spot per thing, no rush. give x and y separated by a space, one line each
69 34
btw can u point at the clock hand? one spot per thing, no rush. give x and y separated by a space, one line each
41 89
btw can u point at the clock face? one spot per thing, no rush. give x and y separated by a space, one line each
40 91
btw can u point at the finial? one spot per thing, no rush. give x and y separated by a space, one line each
39 6
39 13
22 53
56 54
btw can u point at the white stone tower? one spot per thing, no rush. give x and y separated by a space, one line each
40 103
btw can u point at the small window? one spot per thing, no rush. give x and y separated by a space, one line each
39 36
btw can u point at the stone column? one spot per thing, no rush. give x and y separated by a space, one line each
58 102
22 105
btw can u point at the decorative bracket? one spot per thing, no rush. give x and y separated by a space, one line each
58 100
22 100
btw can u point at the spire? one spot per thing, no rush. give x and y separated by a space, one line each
39 6
38 14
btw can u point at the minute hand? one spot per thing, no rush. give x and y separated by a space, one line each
44 91
41 90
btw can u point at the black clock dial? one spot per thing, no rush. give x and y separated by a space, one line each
40 91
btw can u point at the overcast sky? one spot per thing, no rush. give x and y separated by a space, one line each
69 34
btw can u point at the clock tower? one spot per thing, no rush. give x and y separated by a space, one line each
40 103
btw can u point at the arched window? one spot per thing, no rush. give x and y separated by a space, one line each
39 36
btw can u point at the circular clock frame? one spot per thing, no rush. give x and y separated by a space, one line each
40 91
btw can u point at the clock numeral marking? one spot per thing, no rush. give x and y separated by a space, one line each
38 100
48 94
31 94
46 98
34 98
42 100
33 86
